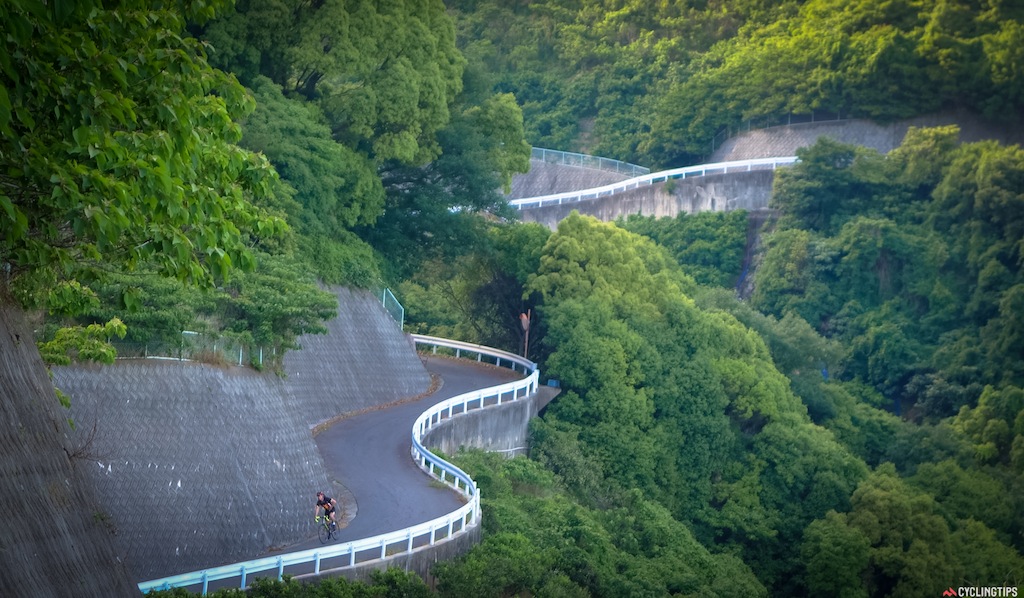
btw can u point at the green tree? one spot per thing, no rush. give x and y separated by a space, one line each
543 541
794 276
682 405
906 540
974 207
431 211
836 557
504 564
832 181
971 494
133 159
118 105
337 187
709 246
993 426
480 296
983 556
384 74
924 154
276 304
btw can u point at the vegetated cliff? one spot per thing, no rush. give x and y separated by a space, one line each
55 540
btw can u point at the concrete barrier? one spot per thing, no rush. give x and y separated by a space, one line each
714 193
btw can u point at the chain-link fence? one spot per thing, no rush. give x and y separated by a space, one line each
218 349
196 346
777 120
584 161
393 307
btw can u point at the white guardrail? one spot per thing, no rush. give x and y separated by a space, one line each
652 178
341 556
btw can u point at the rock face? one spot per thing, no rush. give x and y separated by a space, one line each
197 465
56 540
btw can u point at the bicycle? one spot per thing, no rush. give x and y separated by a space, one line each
327 529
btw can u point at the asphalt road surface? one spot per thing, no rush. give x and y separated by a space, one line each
370 455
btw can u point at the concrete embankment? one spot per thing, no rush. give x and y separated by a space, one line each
737 190
545 178
711 193
52 542
785 140
198 465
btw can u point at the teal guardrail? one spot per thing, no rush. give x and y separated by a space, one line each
350 554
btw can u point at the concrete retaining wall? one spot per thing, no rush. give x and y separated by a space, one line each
420 561
713 193
502 428
747 191
53 543
545 178
198 465
785 140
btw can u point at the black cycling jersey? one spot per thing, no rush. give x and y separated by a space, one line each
326 504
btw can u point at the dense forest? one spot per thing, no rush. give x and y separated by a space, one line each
854 427
654 82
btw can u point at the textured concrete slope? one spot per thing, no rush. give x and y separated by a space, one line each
545 178
785 140
364 361
199 465
51 544
194 465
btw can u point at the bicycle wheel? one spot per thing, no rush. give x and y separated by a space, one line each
325 532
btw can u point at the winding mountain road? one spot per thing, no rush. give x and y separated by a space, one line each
370 454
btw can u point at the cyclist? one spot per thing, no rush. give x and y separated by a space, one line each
329 505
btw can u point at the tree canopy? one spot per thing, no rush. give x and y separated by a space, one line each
655 83
683 404
854 425
119 148
383 73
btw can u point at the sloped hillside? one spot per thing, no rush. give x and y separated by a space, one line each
55 541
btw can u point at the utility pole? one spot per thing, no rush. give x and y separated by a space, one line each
524 319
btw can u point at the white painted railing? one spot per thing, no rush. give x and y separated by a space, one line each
478 399
652 178
342 556
502 358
